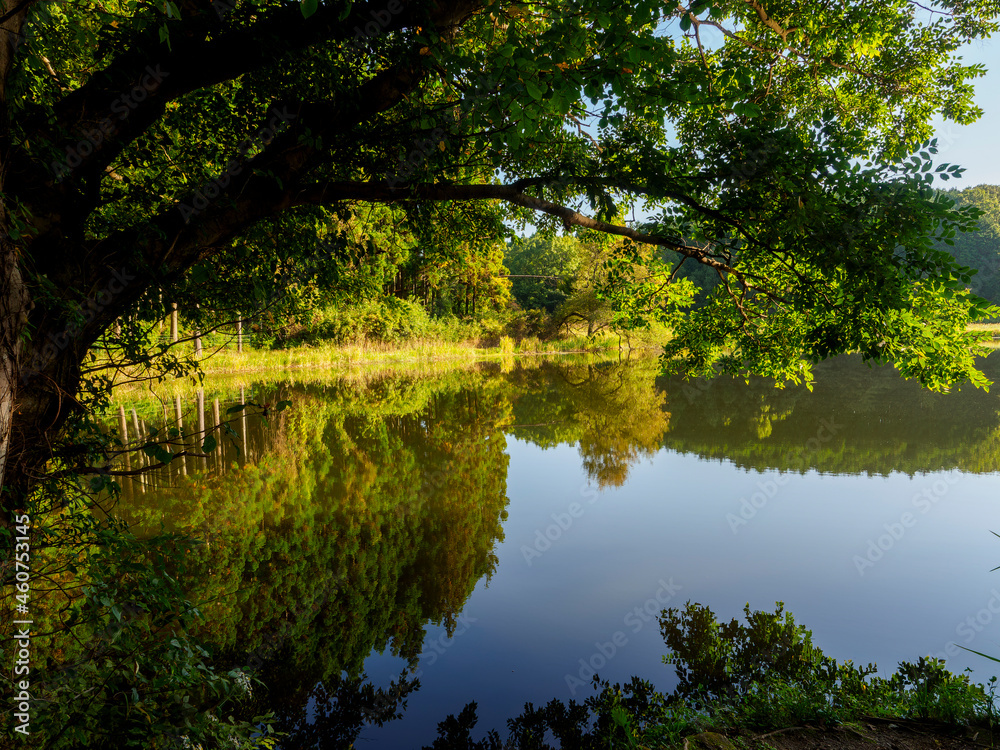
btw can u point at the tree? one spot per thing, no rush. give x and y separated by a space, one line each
542 268
141 141
980 249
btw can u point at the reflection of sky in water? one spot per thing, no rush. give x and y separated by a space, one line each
669 521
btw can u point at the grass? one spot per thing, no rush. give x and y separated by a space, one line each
368 354
428 354
262 368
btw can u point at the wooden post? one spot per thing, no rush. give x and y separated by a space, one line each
197 339
173 322
141 456
201 426
239 333
178 414
218 449
123 426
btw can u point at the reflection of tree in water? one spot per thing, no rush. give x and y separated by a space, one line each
374 510
855 420
366 520
613 411
880 423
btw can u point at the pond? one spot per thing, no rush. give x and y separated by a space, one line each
503 531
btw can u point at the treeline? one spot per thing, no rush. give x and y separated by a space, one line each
375 279
544 286
980 249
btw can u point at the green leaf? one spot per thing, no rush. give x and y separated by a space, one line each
980 653
235 409
534 90
165 36
308 7
209 444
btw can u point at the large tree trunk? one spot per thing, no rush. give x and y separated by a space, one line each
13 314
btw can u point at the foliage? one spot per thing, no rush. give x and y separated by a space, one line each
266 158
555 258
382 320
765 674
123 667
980 248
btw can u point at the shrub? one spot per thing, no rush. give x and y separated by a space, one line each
768 673
527 323
383 320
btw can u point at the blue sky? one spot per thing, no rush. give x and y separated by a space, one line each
976 147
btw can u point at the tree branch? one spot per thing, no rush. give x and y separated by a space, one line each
382 192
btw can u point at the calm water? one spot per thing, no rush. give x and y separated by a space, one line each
544 515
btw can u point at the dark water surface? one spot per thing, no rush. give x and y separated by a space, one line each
544 515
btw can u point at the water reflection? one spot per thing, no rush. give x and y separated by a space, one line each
857 420
342 526
373 507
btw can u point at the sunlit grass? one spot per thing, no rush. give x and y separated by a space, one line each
423 355
330 365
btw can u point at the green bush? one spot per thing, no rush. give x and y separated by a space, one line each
767 673
124 671
762 674
383 320
524 324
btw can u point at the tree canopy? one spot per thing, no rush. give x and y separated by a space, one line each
980 249
782 144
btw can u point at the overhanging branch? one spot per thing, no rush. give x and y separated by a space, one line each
383 192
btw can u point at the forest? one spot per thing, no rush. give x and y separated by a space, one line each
545 285
734 191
